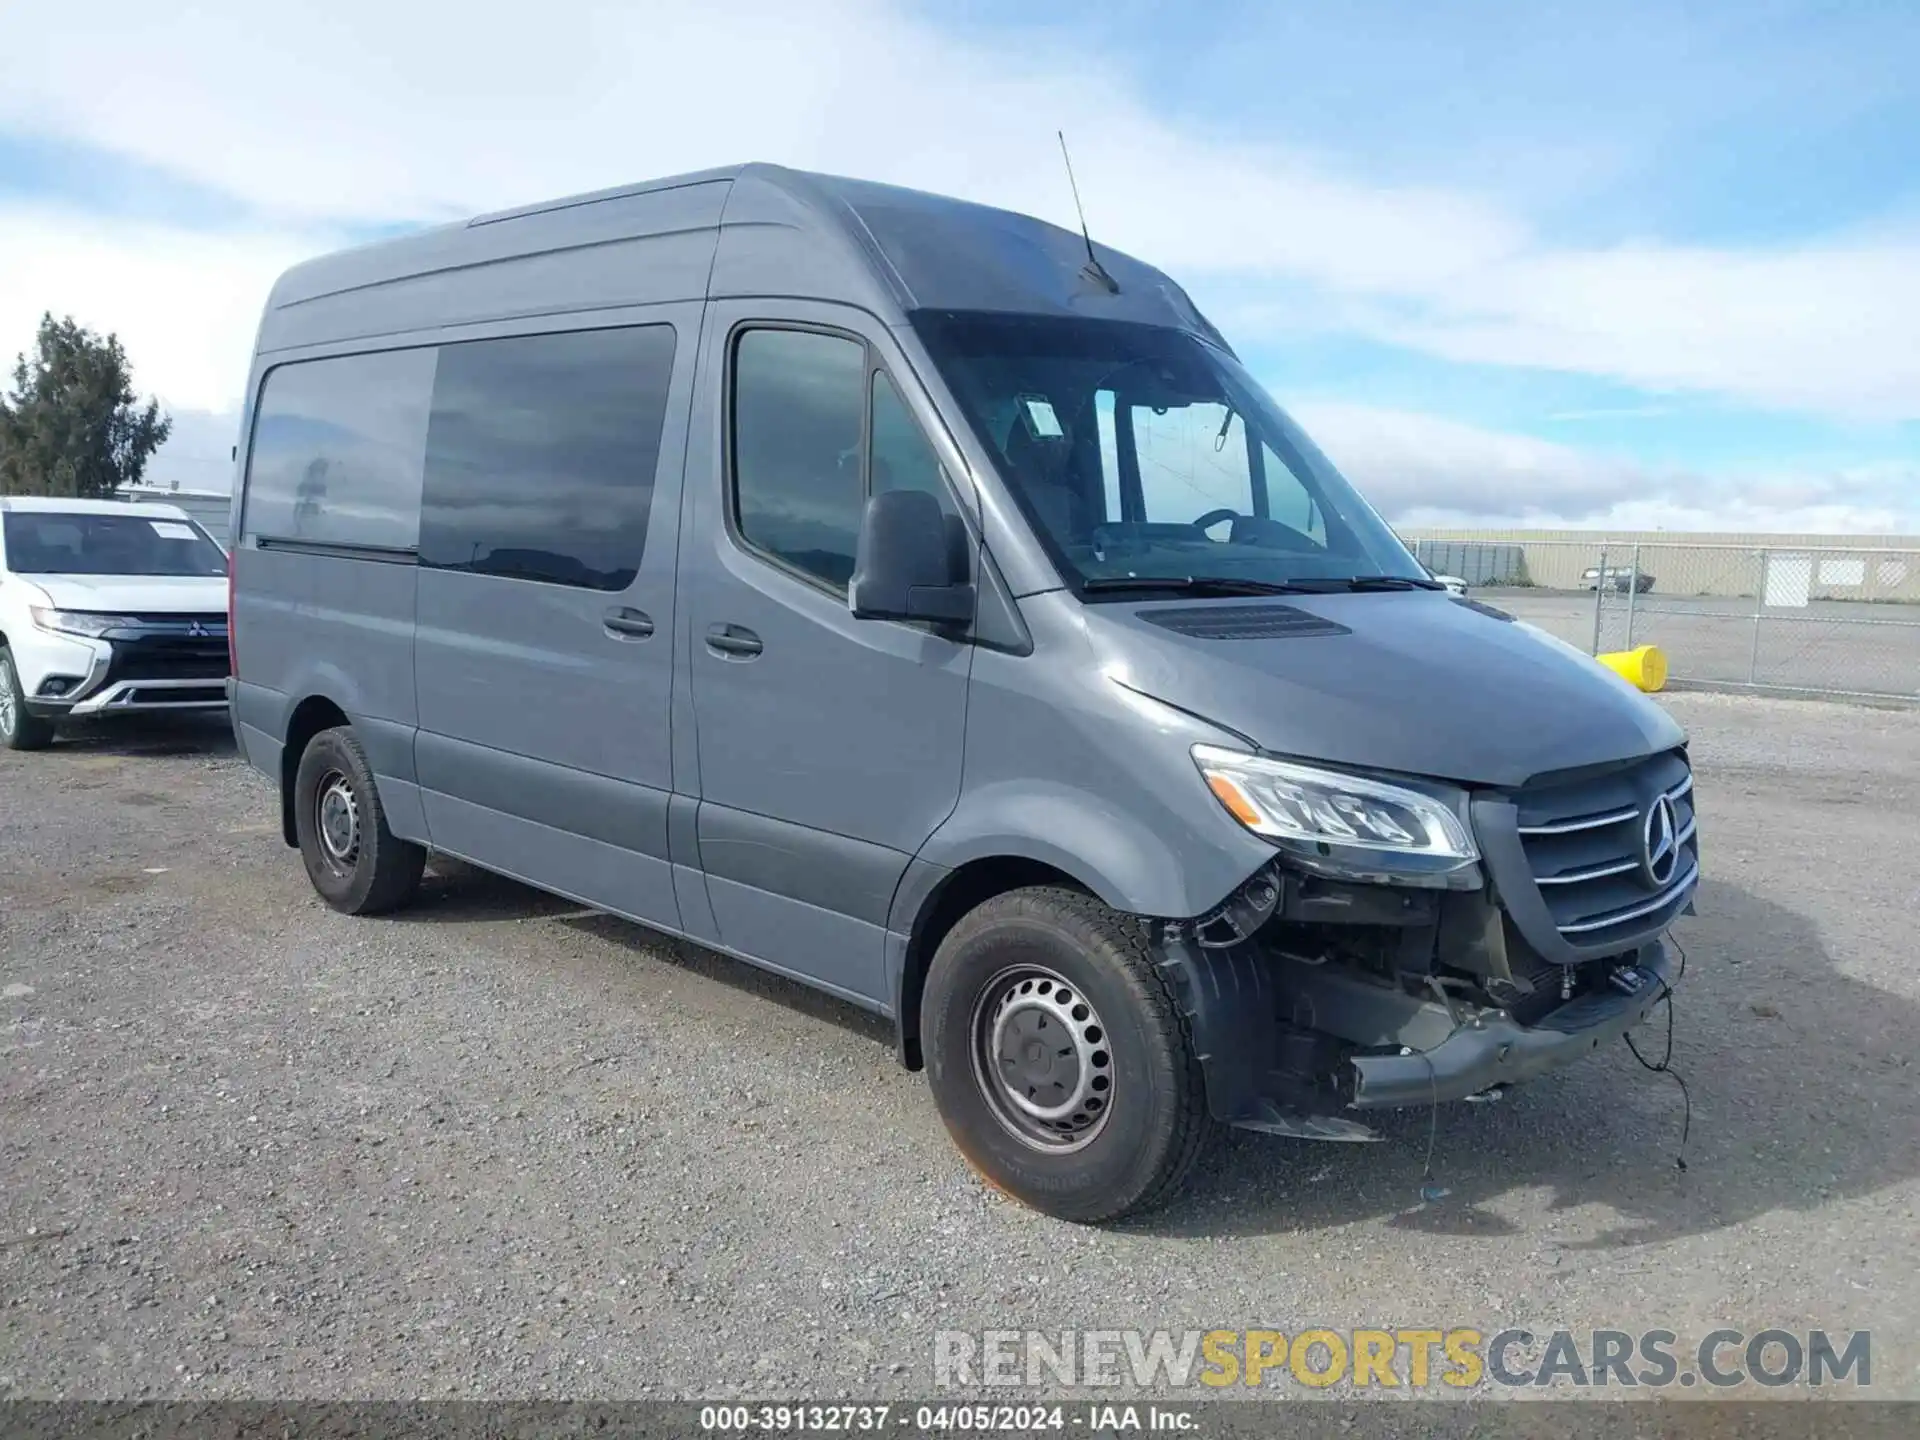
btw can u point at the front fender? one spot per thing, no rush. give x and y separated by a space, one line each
1169 866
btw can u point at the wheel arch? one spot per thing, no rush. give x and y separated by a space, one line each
311 716
1154 858
934 906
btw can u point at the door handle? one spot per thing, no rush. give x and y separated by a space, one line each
733 640
625 624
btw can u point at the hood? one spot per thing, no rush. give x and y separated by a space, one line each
134 594
1415 682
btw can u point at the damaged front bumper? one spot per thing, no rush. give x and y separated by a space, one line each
1305 1050
1486 1049
1321 990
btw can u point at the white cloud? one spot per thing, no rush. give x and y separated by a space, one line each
1413 464
314 114
1826 327
373 109
304 114
185 304
1426 470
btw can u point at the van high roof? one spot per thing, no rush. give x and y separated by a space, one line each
748 230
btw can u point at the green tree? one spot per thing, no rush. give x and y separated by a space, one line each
72 425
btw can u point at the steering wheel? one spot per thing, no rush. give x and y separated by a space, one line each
1214 517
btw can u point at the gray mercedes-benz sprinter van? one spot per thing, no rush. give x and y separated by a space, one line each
917 600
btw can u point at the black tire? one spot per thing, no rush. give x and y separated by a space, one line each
18 729
364 868
991 977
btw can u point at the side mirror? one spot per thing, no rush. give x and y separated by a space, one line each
905 567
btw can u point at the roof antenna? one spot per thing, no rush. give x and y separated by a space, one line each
1093 270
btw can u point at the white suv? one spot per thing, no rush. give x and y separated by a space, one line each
106 608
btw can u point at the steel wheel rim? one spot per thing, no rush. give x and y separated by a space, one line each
336 820
1041 1059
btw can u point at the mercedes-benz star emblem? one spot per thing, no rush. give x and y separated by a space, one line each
1659 846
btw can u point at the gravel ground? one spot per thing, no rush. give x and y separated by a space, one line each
503 1147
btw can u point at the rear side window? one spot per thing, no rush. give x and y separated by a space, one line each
337 446
541 453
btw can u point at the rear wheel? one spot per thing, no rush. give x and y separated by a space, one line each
359 866
1057 1058
18 729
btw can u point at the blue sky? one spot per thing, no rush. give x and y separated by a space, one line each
1522 263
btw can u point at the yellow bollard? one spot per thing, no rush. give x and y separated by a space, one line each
1644 667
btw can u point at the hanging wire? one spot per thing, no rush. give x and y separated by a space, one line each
1429 1192
1665 1065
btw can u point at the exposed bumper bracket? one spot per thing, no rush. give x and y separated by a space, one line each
1491 1050
1231 998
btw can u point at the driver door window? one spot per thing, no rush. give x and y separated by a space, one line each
809 447
798 413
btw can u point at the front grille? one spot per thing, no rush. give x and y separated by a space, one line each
1586 843
169 657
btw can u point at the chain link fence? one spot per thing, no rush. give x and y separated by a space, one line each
1840 621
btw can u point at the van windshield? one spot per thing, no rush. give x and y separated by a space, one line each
80 542
1146 453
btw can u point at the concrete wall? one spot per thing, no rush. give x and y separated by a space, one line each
1838 567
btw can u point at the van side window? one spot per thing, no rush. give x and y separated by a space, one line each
337 447
541 453
798 403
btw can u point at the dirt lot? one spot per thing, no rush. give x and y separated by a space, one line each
503 1147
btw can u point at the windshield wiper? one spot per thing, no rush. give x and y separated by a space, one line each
1191 585
1369 582
1230 585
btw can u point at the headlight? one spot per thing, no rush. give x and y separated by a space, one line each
79 622
1324 812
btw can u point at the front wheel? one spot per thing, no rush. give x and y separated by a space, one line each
1057 1058
359 866
18 729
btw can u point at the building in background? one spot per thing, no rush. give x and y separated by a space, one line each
1884 568
209 507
